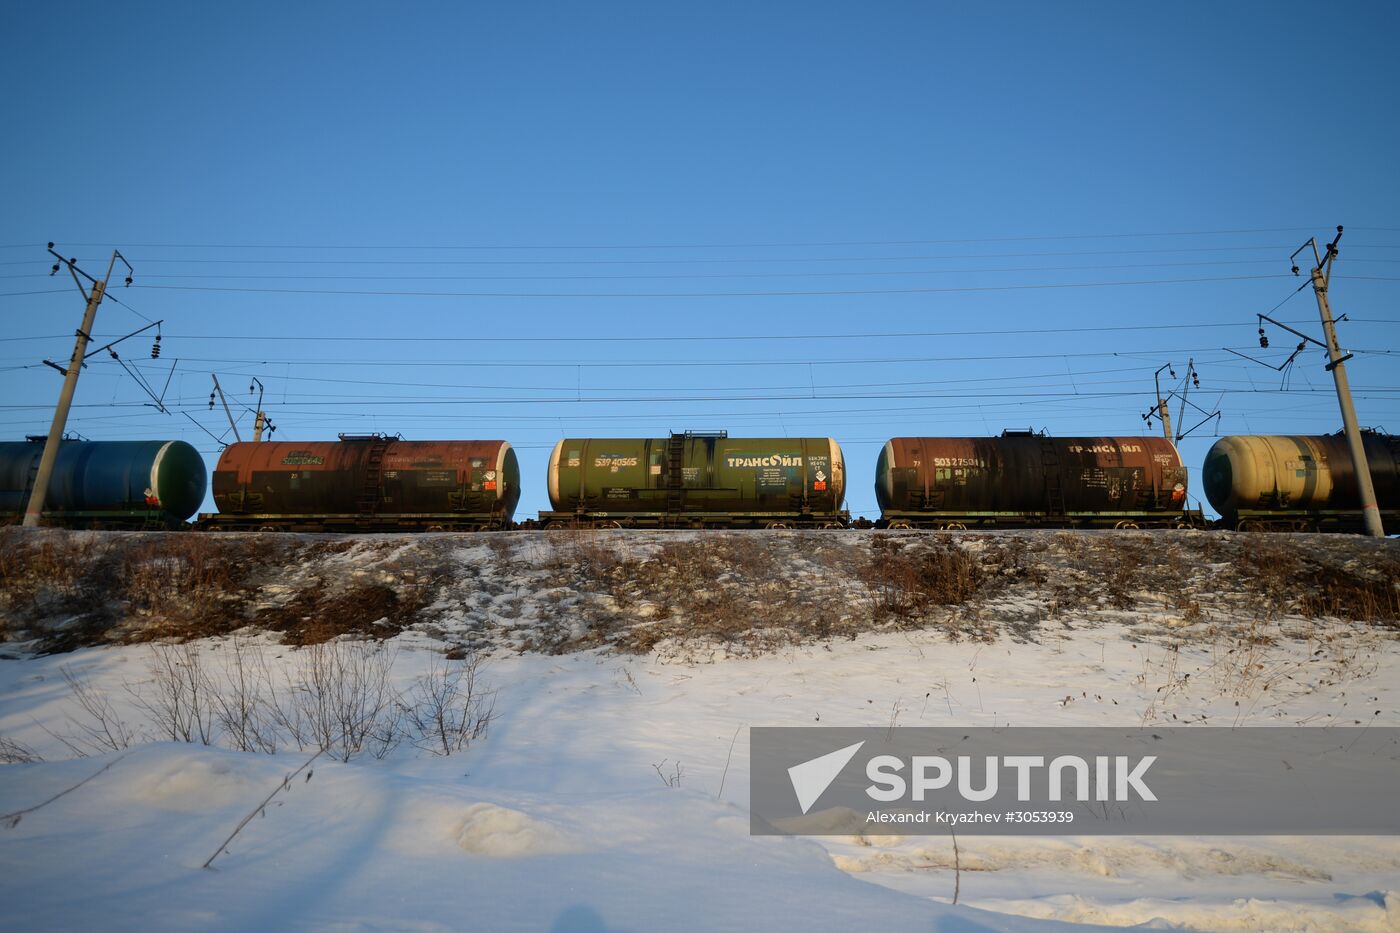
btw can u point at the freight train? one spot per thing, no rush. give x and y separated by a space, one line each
383 483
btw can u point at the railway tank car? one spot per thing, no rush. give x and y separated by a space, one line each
106 484
697 480
366 482
1299 482
1027 479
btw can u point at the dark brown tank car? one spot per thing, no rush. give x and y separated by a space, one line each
1023 478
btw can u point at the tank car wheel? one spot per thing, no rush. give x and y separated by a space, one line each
435 528
830 525
955 526
773 526
1250 525
1127 526
608 525
267 528
899 526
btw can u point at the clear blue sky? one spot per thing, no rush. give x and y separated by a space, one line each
782 170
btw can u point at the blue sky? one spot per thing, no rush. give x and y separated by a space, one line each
806 177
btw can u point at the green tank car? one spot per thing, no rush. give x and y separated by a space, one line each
697 480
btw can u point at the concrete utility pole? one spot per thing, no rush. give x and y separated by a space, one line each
1163 411
1160 409
35 509
260 422
1321 276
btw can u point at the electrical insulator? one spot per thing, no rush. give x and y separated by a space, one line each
155 348
211 401
1263 341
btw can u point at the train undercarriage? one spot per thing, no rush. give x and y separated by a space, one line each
691 520
354 522
967 520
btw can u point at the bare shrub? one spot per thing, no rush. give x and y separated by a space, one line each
16 753
179 581
501 546
179 697
99 729
242 704
583 552
1119 580
448 707
671 778
905 582
341 700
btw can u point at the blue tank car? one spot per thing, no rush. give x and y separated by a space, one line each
106 483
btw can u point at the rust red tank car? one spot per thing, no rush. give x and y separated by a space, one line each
367 482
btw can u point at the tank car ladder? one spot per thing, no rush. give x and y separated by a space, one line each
1054 491
675 477
29 479
370 494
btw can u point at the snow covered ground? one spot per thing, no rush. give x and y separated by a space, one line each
610 792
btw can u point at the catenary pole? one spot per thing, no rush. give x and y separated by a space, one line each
1321 276
35 509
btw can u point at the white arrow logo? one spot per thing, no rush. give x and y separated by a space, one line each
811 778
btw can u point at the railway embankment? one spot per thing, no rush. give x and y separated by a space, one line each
693 594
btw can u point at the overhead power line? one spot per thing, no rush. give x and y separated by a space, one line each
731 260
194 404
762 245
767 294
706 338
1147 353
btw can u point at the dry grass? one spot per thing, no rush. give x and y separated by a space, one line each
320 613
737 592
67 590
639 592
906 580
1288 579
